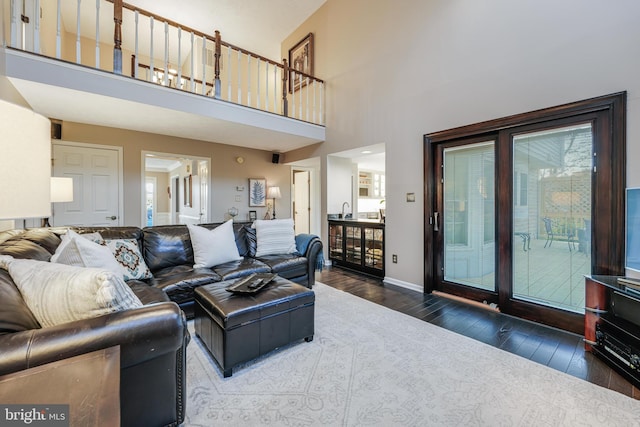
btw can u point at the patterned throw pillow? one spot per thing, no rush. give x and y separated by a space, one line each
252 242
127 253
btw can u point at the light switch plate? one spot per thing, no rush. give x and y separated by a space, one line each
238 198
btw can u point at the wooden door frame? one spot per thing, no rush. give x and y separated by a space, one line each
608 215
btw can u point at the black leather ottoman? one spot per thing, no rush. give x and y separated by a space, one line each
236 328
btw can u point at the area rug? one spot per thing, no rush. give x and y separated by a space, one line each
372 366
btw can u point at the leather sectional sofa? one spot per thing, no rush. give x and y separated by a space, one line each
152 338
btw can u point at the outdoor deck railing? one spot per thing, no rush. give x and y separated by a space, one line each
162 52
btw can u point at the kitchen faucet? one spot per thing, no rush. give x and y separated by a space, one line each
345 203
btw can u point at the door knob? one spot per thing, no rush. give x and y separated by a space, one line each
112 217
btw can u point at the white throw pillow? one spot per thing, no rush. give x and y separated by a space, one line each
213 247
127 254
69 236
275 237
81 252
58 293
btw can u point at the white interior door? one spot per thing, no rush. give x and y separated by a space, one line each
302 208
203 173
96 173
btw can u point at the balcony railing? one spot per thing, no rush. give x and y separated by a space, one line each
100 33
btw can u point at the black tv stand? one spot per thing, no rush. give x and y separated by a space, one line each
612 325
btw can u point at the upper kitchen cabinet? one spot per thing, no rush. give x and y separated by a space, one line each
370 184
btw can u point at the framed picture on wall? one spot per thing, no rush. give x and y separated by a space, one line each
257 192
253 215
301 59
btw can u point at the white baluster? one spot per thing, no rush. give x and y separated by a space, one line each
179 65
275 88
300 94
78 45
193 68
36 27
136 53
321 112
166 54
308 90
249 80
229 73
266 89
204 65
97 33
314 99
258 84
152 71
58 36
239 80
292 110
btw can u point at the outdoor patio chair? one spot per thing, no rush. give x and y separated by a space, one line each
549 230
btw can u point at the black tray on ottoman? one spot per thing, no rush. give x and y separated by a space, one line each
236 328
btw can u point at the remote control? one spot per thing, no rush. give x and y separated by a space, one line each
254 284
242 281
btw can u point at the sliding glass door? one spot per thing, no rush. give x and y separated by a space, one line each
468 215
520 209
552 215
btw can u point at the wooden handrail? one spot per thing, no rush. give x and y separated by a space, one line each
289 75
213 39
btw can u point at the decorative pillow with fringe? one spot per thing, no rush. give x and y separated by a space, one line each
59 293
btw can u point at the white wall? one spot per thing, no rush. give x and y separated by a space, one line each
340 179
398 70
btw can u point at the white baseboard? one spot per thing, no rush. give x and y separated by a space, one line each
402 284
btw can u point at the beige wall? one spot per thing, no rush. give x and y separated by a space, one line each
398 70
226 173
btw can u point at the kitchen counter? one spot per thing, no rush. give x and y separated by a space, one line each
357 220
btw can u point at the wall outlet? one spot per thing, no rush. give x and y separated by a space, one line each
394 258
238 198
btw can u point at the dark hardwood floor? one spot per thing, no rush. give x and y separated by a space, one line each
563 351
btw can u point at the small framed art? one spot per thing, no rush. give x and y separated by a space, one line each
257 192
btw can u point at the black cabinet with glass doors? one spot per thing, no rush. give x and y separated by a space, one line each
358 245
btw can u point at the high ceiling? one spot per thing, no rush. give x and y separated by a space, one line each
257 25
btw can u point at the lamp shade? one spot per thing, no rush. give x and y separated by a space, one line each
61 189
273 193
25 163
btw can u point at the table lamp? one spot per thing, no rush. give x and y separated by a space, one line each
61 191
25 163
273 193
